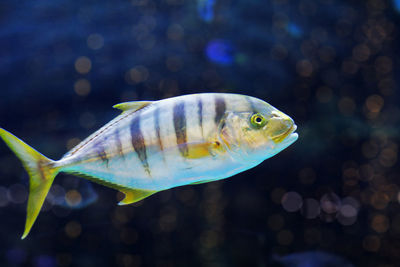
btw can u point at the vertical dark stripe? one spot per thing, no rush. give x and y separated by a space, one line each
220 108
138 142
156 115
119 144
101 153
200 114
180 128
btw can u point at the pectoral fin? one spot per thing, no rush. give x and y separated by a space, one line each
134 195
201 150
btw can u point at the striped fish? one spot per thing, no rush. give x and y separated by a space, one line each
156 145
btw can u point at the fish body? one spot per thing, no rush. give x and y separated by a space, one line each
156 145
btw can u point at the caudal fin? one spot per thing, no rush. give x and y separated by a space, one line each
41 172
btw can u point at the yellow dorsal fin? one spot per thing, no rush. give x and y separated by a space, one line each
133 105
134 195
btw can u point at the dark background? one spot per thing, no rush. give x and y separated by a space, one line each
333 66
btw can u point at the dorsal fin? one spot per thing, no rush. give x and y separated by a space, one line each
132 105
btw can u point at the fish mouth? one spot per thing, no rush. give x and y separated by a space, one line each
290 131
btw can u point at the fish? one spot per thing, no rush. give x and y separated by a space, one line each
157 145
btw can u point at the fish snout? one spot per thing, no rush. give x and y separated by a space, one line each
281 126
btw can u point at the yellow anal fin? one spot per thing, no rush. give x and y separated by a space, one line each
41 172
134 195
133 105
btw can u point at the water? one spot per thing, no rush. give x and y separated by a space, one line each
331 65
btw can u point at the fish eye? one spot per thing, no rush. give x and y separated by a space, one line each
257 120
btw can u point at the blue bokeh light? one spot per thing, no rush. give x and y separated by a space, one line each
88 194
220 51
45 261
16 256
205 9
58 195
312 259
294 30
396 4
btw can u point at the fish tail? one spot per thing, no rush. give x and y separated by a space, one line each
41 172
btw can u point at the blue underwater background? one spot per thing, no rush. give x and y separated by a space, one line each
330 199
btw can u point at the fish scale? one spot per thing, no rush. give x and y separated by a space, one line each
156 145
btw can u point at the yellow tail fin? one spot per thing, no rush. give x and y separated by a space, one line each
41 172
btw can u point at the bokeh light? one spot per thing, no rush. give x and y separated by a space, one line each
220 51
310 208
73 229
3 196
292 201
136 75
95 41
45 261
83 65
16 256
205 9
372 243
330 203
17 193
82 87
332 65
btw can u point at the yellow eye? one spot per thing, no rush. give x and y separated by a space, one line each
257 120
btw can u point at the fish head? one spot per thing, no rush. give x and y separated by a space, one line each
257 134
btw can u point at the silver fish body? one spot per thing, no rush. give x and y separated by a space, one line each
157 145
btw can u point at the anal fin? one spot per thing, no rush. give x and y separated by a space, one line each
135 195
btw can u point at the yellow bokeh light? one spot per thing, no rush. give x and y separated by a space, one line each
83 65
73 229
73 198
82 87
